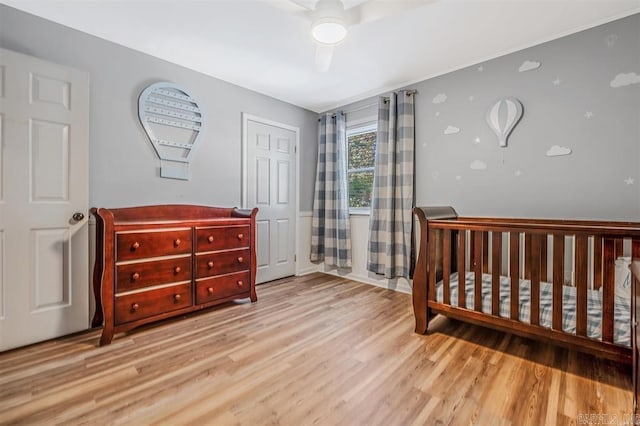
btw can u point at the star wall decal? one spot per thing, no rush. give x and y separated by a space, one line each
588 115
629 180
557 82
476 140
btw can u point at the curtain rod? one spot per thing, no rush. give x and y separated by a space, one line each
360 108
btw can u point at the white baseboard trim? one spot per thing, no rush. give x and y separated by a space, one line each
401 287
307 271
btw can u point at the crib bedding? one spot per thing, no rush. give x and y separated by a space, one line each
622 308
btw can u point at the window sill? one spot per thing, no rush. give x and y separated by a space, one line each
363 212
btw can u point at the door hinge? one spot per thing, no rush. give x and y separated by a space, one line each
295 149
295 258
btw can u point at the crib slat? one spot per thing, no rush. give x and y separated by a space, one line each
635 249
535 279
514 272
581 284
543 258
597 262
485 252
472 248
608 290
477 268
462 246
619 248
527 256
496 271
558 280
432 264
446 265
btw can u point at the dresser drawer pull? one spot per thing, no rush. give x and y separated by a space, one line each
240 236
135 246
240 259
134 307
135 276
240 283
177 297
210 264
177 242
210 239
177 269
210 290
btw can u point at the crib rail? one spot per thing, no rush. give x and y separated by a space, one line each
581 254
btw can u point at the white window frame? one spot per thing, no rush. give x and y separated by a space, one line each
354 131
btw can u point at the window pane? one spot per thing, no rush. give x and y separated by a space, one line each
362 150
360 188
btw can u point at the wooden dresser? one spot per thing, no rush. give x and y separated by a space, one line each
155 262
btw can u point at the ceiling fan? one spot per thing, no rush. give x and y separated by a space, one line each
330 19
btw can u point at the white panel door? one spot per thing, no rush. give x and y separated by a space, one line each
271 186
44 279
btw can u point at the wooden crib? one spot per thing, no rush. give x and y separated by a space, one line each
504 265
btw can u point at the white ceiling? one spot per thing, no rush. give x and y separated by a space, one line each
261 46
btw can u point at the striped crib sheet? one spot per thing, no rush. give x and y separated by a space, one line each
622 312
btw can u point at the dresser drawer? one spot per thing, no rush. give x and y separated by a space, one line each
209 289
223 262
143 304
132 276
138 245
222 238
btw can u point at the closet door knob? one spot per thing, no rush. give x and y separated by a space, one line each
210 239
78 216
135 276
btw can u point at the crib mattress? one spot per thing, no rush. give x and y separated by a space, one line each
622 310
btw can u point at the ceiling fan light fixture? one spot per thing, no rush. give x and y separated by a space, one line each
328 25
329 31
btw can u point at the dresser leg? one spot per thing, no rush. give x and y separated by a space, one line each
254 296
107 336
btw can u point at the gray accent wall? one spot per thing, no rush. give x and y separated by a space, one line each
569 101
124 169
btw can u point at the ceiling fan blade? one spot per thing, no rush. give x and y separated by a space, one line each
306 4
324 54
374 10
294 7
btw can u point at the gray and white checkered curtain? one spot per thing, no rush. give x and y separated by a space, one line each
393 196
330 235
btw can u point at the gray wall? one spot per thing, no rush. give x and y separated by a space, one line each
124 169
589 183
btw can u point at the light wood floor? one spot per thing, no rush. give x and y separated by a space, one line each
313 350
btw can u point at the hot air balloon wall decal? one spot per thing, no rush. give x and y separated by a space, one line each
503 116
173 121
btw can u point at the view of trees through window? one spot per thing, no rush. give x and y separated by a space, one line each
362 147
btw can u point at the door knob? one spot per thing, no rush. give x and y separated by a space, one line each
78 216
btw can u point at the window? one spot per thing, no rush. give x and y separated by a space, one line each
361 148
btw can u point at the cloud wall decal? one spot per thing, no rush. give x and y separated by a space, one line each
478 165
450 130
439 98
623 79
529 65
557 150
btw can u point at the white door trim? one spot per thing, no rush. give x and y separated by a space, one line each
245 169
